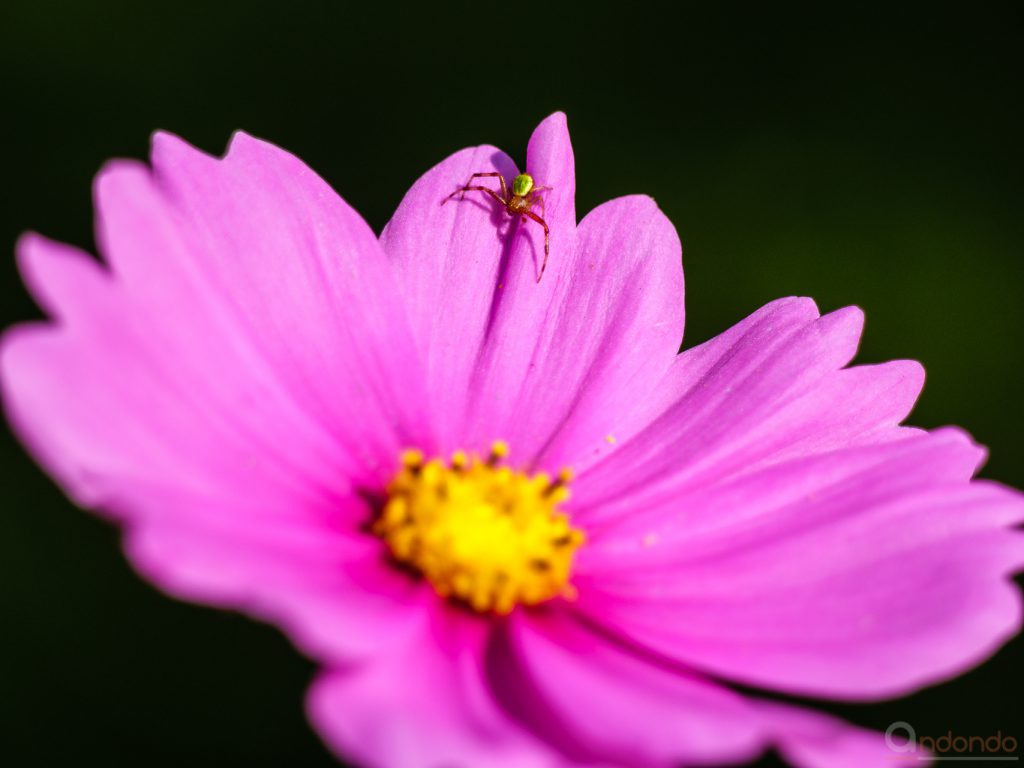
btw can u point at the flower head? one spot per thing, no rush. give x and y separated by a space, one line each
481 532
514 526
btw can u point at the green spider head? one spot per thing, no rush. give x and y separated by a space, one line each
522 184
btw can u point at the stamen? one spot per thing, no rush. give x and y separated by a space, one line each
413 460
558 486
480 532
459 461
499 450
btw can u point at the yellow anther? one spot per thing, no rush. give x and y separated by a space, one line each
499 450
480 532
556 489
412 458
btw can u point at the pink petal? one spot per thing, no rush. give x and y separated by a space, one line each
104 406
226 387
426 705
244 291
600 703
861 573
812 740
467 267
768 389
299 273
336 595
610 334
549 367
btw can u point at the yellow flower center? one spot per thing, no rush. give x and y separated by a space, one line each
481 532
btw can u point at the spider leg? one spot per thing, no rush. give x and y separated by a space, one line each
547 239
535 198
487 190
469 182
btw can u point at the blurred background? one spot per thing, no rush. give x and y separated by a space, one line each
858 156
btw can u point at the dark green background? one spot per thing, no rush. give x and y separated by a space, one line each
868 157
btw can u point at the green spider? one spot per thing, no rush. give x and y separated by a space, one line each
520 203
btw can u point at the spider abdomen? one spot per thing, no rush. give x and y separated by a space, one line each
519 204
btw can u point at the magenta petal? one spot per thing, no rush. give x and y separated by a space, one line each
468 271
612 333
553 367
447 260
103 407
245 296
226 384
426 705
332 592
300 274
602 704
812 740
856 574
771 388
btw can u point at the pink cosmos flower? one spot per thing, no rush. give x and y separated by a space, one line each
239 384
